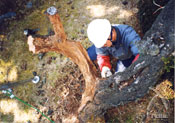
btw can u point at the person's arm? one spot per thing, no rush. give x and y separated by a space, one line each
135 52
103 61
135 59
105 66
131 37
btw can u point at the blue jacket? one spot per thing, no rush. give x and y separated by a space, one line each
124 46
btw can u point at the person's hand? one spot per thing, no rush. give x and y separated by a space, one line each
105 72
30 43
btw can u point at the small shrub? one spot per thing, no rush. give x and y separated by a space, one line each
169 63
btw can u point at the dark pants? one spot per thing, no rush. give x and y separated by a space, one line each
120 63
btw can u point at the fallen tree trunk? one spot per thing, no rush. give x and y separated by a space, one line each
123 87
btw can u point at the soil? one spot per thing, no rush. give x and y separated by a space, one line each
64 98
59 92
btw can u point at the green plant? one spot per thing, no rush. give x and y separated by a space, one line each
169 63
114 120
129 120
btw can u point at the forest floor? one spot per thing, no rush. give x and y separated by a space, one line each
59 91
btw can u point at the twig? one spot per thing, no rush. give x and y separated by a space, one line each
162 98
150 104
160 7
164 101
157 4
157 10
14 84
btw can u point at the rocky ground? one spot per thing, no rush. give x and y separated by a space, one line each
59 91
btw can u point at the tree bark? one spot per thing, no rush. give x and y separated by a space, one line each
133 83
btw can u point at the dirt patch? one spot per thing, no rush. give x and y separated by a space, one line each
63 98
